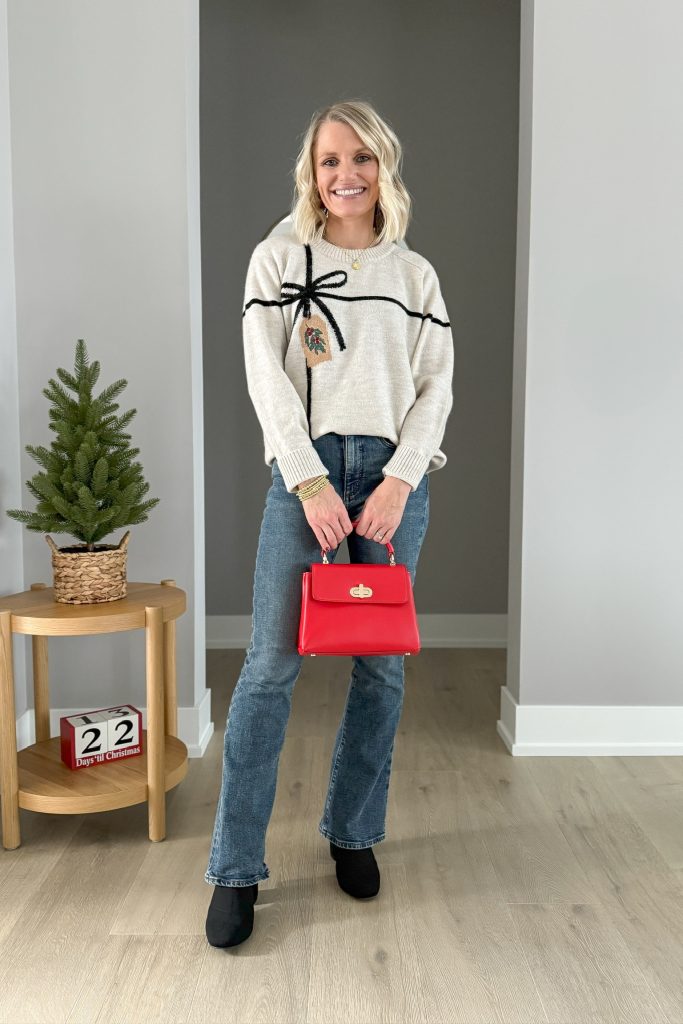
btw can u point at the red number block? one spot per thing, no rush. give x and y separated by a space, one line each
100 737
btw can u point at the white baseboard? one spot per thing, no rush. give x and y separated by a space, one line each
224 631
195 727
532 730
593 730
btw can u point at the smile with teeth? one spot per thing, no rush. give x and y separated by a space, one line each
348 193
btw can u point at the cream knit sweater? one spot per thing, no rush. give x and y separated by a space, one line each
355 341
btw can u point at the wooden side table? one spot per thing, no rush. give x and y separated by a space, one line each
36 778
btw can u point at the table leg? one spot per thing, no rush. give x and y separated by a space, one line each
9 770
156 781
41 691
170 681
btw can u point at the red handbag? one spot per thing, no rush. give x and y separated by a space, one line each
358 608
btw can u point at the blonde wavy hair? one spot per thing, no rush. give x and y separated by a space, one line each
393 209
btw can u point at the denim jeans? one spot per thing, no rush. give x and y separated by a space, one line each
355 806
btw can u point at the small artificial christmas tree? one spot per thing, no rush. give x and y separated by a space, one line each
90 485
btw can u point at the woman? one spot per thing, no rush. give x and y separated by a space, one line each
349 363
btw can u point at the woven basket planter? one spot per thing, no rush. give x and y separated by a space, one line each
89 577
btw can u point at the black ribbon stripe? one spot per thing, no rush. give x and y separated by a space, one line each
312 293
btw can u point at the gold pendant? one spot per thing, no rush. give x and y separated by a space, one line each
356 264
315 340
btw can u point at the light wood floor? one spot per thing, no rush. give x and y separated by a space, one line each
513 889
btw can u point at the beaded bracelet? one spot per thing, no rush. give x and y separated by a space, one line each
312 488
308 490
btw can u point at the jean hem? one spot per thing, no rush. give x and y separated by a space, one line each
350 846
235 882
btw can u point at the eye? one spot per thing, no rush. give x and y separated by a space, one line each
361 156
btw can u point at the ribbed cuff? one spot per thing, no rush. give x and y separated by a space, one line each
301 464
407 464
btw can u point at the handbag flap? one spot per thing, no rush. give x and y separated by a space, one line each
371 583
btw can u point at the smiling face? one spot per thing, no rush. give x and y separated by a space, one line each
346 173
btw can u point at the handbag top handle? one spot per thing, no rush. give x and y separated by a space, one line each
389 546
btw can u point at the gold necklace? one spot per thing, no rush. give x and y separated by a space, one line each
356 263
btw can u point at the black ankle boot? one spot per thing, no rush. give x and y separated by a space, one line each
357 871
230 918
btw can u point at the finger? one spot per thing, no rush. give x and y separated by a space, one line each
339 531
334 533
334 529
361 523
374 526
329 541
362 526
343 515
383 532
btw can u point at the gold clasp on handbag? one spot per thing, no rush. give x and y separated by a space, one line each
360 591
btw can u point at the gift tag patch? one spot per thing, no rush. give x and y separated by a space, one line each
315 340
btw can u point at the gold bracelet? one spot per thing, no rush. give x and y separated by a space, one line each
304 487
312 488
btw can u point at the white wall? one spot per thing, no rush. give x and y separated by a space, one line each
11 532
597 560
104 115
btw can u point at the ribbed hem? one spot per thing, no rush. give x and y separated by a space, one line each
407 464
341 255
301 464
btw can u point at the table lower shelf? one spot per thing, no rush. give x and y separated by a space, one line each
47 785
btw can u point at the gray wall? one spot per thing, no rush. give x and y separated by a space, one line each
446 76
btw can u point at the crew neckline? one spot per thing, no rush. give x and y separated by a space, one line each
339 254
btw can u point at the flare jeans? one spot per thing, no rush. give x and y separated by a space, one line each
355 806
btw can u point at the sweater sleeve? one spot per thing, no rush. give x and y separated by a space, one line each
278 406
432 365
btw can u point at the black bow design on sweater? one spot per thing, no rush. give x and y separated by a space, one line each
305 294
311 292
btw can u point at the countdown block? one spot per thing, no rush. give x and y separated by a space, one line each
100 737
125 729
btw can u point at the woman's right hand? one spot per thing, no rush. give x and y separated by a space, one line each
327 516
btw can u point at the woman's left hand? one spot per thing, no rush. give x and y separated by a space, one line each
383 510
